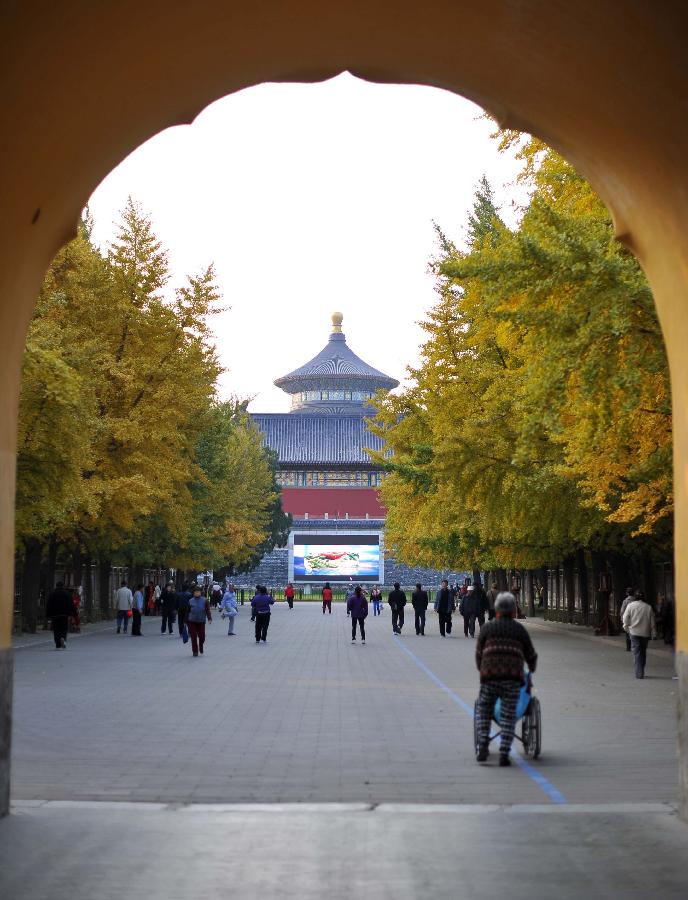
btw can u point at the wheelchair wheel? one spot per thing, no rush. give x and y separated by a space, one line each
536 726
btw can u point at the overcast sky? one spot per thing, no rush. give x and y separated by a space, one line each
310 199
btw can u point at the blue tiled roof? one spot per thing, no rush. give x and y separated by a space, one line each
317 439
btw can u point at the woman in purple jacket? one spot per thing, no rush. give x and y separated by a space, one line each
357 605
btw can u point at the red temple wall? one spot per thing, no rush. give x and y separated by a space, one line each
336 502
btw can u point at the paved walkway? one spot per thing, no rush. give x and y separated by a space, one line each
309 717
375 744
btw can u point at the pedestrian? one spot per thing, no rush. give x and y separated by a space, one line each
199 611
261 604
468 609
150 599
397 602
289 595
376 597
482 604
491 598
444 607
168 604
216 594
74 621
157 594
58 609
419 601
358 607
183 598
502 650
327 598
639 623
123 602
629 598
229 607
137 606
253 609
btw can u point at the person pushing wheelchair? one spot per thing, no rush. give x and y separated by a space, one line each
502 649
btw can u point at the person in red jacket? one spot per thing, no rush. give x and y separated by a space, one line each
327 598
289 595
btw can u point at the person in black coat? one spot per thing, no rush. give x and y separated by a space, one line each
482 603
58 609
397 602
419 600
468 608
169 603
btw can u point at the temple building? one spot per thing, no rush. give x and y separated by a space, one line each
329 482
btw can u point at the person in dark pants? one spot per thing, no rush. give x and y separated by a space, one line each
357 605
501 652
199 611
260 606
289 595
491 600
168 603
639 623
419 601
58 609
397 602
444 607
137 606
469 610
629 598
182 602
482 604
327 598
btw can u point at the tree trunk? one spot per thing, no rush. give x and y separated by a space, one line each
476 577
530 592
648 580
582 566
78 568
600 602
31 584
621 580
570 587
88 586
501 579
104 598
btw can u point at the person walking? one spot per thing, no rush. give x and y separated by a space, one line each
137 606
468 608
376 598
149 604
639 623
261 604
444 607
491 598
482 604
216 595
123 602
58 609
629 598
199 611
229 607
289 595
419 601
183 600
168 605
327 598
397 602
502 650
357 605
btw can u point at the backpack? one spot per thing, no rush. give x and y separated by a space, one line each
196 609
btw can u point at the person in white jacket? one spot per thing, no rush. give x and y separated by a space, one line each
639 623
229 607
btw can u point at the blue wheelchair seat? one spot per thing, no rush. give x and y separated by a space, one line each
521 707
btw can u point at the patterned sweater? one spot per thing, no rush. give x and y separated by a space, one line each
502 648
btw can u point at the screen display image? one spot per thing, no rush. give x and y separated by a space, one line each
336 558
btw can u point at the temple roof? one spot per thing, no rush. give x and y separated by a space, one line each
335 369
317 440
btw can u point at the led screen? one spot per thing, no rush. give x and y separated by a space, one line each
336 557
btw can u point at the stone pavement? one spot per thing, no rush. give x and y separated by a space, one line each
345 771
309 717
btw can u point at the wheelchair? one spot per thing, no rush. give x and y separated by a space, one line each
528 711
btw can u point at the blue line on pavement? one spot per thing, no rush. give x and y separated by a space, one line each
546 786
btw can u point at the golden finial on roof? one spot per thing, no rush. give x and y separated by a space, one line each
337 319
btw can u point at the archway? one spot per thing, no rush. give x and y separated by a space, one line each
101 80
